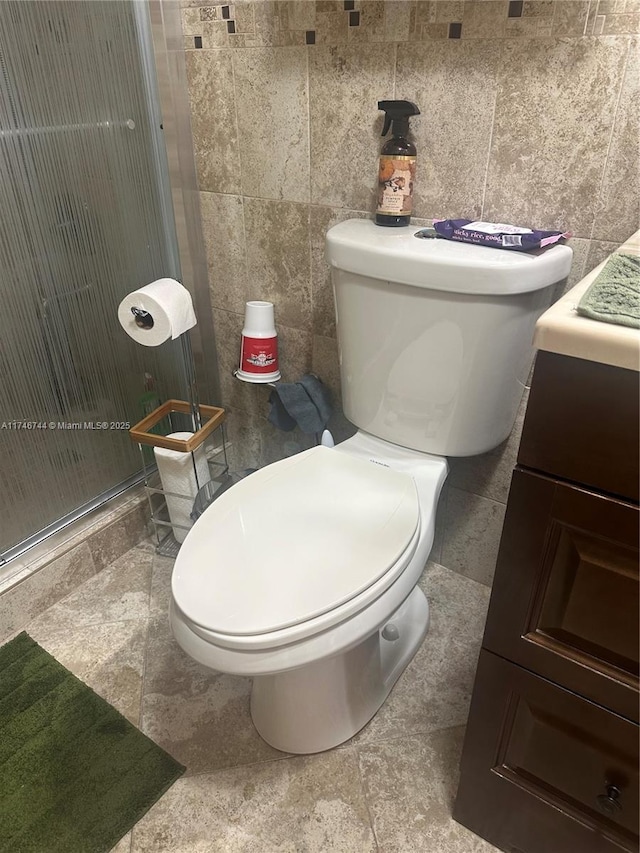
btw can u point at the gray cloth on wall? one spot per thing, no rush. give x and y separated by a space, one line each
306 404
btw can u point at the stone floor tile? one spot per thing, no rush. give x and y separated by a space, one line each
199 716
109 658
435 689
160 585
410 785
313 804
471 534
118 593
40 590
235 795
124 845
114 540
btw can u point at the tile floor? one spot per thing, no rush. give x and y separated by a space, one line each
389 789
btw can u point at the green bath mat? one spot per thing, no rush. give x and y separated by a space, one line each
75 775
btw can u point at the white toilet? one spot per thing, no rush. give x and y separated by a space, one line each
304 575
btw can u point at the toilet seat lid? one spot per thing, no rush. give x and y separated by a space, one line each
295 540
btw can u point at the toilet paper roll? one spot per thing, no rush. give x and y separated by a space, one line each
162 310
177 475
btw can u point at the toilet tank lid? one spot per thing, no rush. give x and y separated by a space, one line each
395 254
295 540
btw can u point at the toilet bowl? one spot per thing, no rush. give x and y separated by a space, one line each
304 577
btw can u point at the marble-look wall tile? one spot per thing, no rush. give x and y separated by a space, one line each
472 530
371 27
295 349
40 590
501 135
297 15
484 20
345 85
244 434
115 539
580 248
235 394
277 444
397 20
598 252
244 17
489 474
320 220
618 212
273 130
545 167
278 262
625 22
213 120
536 20
223 230
570 17
326 366
331 27
448 10
454 84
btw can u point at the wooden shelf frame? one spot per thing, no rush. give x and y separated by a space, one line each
212 418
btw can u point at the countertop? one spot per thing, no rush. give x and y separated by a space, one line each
562 330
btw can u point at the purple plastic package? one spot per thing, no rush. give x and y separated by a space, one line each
496 234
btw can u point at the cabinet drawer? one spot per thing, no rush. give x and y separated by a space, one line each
545 771
582 424
565 595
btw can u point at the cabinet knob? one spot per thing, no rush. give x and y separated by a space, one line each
609 802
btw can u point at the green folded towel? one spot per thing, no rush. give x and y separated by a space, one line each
614 296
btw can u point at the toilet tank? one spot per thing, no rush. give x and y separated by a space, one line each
435 337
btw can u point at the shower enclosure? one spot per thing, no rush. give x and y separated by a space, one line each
85 217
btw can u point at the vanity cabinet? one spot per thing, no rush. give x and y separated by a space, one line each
550 760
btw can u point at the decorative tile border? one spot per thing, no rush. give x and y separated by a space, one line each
287 23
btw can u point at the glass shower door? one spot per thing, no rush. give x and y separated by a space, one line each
83 221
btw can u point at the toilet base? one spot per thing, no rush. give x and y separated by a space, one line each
325 703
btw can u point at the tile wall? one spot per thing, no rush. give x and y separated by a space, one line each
530 114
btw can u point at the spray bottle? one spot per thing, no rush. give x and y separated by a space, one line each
397 171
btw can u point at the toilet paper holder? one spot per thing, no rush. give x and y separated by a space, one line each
168 416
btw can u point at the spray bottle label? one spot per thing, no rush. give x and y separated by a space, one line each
395 184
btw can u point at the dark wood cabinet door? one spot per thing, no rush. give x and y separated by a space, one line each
582 424
545 771
565 596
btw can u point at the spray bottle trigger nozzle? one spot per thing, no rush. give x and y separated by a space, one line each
387 124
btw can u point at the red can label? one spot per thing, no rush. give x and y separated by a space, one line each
259 355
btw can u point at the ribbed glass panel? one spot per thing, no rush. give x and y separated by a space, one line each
80 226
